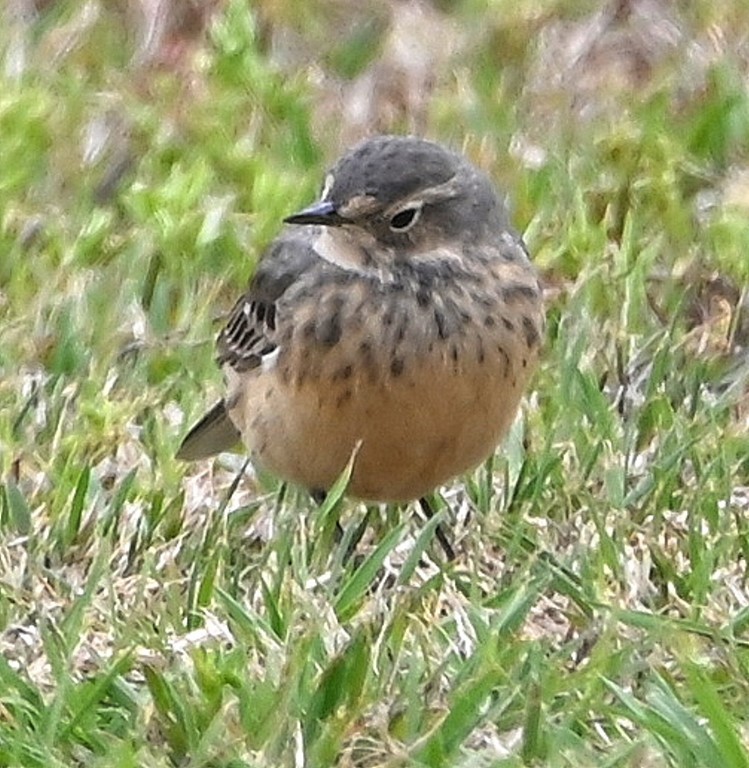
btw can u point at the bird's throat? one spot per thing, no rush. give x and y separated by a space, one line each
349 249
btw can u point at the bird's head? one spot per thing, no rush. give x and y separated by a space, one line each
392 198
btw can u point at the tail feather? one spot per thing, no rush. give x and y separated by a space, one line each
214 433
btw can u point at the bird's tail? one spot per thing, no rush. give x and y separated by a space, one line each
212 434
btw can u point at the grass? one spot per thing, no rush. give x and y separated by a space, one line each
157 614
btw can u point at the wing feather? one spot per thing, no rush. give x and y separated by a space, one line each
250 333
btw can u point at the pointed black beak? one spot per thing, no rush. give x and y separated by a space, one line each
323 212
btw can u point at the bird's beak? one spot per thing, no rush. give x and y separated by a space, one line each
323 212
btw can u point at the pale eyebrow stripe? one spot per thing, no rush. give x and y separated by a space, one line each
327 186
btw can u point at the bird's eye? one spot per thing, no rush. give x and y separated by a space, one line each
405 219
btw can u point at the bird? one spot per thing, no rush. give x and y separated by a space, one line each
399 317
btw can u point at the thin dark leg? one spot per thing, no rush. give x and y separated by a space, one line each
439 531
319 496
359 532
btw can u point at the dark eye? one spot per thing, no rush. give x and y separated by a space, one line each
405 219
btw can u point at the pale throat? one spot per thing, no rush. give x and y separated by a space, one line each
350 250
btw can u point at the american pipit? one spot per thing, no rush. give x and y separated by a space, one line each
400 313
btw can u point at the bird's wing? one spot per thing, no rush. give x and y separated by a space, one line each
250 334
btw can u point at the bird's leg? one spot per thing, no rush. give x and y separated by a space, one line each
319 496
359 532
439 531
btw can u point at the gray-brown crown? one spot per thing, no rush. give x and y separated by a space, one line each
368 184
391 168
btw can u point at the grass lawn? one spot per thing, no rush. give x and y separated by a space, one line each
154 613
